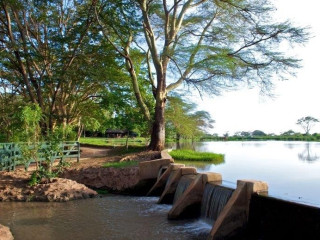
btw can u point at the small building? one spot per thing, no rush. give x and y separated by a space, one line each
116 133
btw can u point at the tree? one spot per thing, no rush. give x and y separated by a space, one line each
51 56
183 120
307 123
211 46
288 133
258 133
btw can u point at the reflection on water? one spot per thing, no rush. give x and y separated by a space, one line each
200 166
182 145
284 165
110 217
307 155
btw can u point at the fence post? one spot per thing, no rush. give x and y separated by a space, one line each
78 146
13 156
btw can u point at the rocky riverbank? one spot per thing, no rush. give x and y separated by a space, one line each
14 187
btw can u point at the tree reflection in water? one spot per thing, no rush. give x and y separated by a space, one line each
307 155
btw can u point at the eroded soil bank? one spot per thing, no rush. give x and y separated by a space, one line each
74 182
91 173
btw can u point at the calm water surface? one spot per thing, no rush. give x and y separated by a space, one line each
292 169
107 218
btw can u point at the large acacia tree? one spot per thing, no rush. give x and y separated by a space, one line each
212 45
50 55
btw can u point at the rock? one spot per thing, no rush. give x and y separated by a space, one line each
5 233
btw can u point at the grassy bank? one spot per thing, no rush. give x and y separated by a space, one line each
120 164
190 155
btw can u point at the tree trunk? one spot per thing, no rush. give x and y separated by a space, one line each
158 127
178 136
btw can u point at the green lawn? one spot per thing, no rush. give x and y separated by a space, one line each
121 164
190 155
112 142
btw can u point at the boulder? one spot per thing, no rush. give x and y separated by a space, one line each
5 233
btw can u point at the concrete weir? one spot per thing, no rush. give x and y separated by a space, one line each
234 213
234 216
176 173
162 179
192 196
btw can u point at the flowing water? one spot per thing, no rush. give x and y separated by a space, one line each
291 169
214 199
184 183
107 218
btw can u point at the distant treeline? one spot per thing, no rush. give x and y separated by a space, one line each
295 137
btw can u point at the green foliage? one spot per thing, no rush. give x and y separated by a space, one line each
29 117
102 191
120 102
190 155
120 164
42 173
183 120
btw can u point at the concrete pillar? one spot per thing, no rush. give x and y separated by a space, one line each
234 216
150 169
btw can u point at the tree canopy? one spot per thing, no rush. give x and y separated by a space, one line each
307 123
211 46
68 56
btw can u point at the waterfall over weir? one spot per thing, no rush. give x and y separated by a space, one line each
184 183
215 197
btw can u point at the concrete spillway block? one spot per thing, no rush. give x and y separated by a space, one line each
165 155
234 216
172 183
150 169
162 179
190 201
211 177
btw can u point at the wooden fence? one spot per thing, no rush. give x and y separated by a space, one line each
11 153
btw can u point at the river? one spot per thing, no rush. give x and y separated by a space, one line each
292 169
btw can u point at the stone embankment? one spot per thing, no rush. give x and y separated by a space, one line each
5 233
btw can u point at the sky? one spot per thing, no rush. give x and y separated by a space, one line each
299 96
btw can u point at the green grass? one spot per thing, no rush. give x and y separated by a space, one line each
190 155
102 191
121 164
112 142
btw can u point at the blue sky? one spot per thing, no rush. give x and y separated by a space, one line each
247 110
